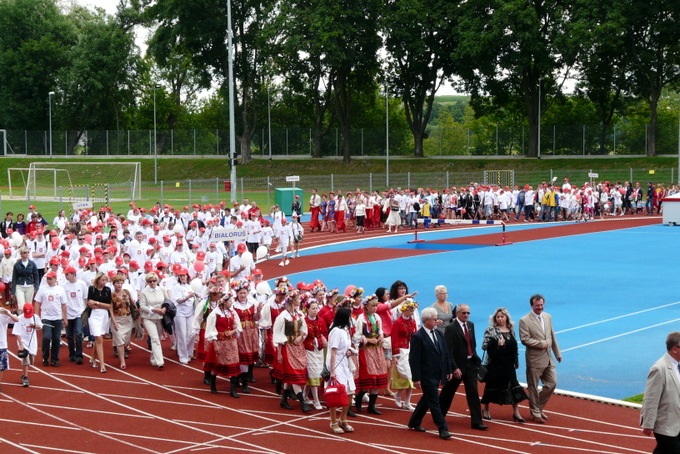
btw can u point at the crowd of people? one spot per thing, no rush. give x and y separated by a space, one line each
157 276
402 208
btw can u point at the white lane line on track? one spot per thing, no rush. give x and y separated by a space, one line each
50 448
618 317
30 423
620 335
18 446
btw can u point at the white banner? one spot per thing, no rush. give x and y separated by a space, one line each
222 234
81 205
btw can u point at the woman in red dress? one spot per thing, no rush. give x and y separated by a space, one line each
290 331
372 364
222 327
248 311
201 314
270 312
403 329
315 343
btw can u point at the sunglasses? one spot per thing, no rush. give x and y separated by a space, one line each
152 280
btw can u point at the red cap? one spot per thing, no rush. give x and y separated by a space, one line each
133 264
241 248
69 269
51 274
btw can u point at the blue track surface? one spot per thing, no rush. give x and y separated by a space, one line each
613 295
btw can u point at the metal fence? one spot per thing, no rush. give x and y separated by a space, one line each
262 189
447 140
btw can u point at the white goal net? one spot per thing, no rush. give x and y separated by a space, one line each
36 184
123 179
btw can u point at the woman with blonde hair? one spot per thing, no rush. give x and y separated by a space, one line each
151 308
502 360
99 303
121 302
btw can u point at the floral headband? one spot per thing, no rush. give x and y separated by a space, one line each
408 304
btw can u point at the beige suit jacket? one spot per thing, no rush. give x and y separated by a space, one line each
661 406
531 335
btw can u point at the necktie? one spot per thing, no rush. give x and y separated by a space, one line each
467 339
434 339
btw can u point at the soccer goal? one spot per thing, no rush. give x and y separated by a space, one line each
124 179
44 183
499 177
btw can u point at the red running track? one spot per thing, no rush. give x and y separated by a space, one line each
142 410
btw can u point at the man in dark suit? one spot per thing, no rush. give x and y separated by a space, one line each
461 344
430 366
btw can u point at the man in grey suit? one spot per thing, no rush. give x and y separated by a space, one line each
537 335
661 406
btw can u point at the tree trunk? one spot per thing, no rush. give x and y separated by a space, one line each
418 138
531 102
651 127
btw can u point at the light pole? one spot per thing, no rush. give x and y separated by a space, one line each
387 137
155 147
49 99
269 122
540 79
232 126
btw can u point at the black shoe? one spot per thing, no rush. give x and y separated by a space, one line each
72 359
213 384
232 391
79 361
284 401
480 427
244 382
303 405
46 363
372 399
358 400
55 363
206 378
518 419
444 434
416 428
351 414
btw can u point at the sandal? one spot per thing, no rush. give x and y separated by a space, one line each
335 428
89 345
102 370
123 367
346 427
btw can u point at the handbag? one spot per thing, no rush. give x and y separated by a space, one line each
325 373
481 371
336 394
85 316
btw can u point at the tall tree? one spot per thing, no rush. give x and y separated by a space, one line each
347 33
98 86
201 28
34 47
654 46
419 59
599 30
298 56
507 47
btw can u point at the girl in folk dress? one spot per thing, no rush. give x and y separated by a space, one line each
403 329
323 212
372 364
221 331
330 213
201 314
290 331
269 314
315 343
341 210
248 311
